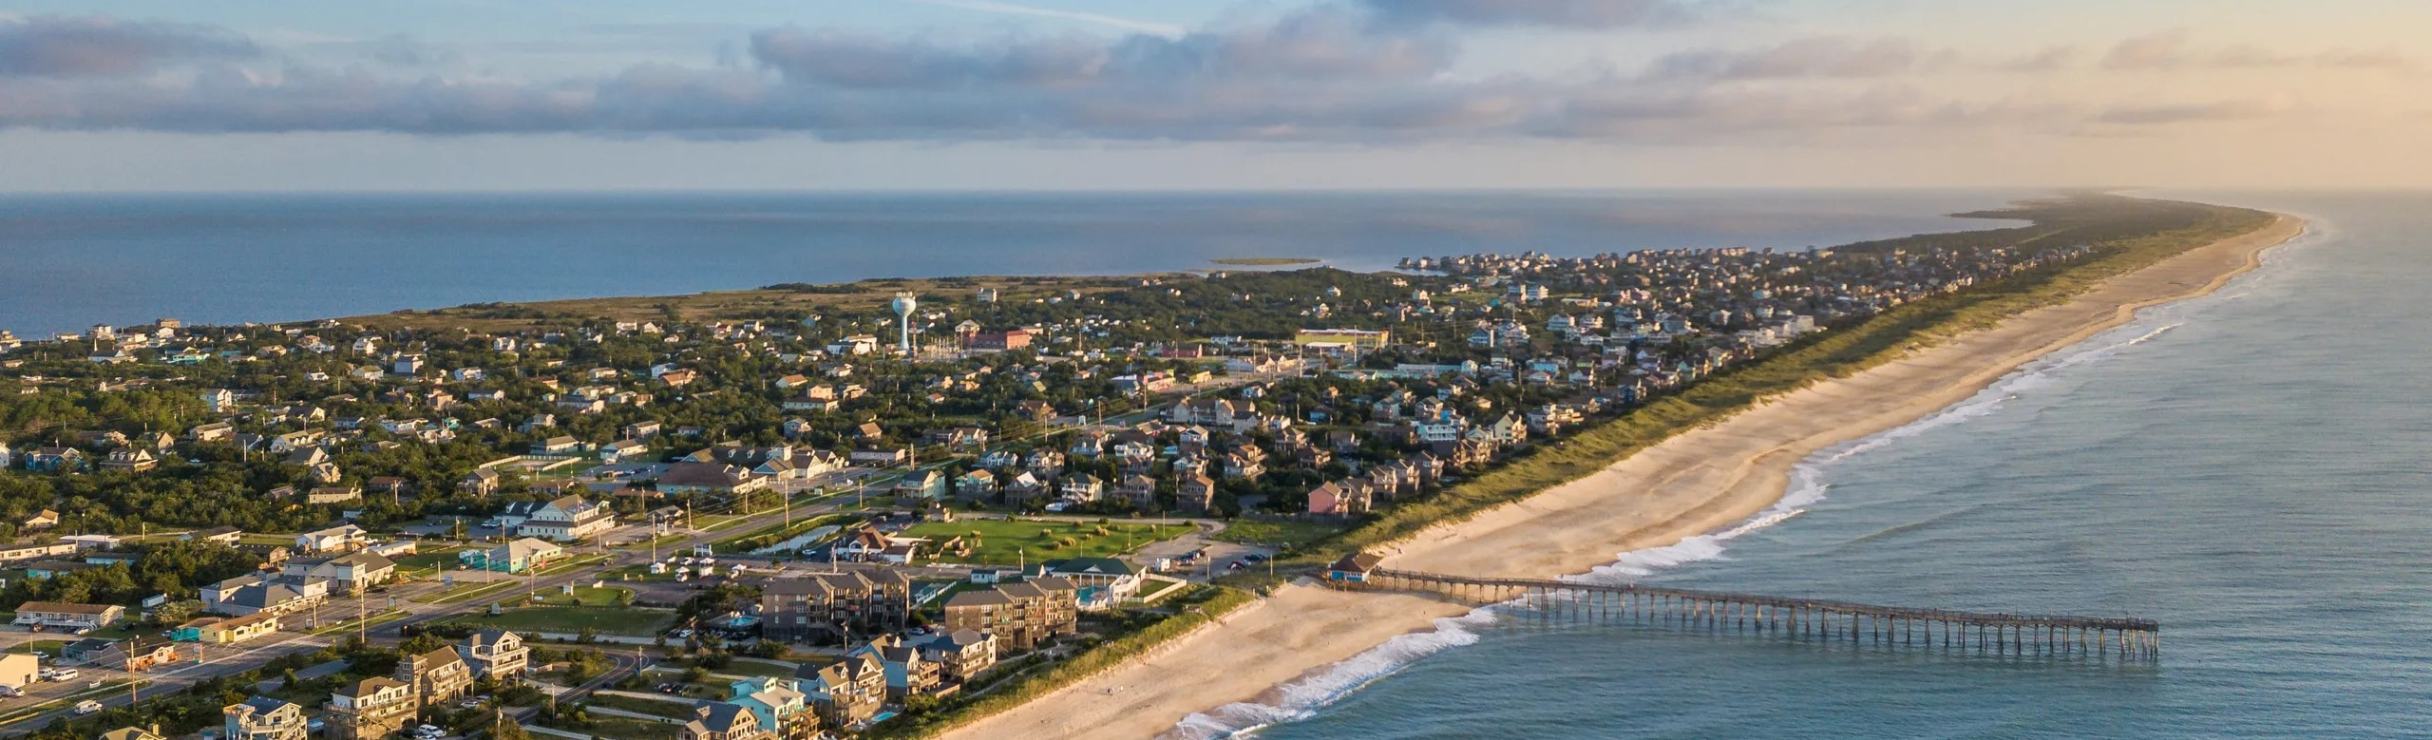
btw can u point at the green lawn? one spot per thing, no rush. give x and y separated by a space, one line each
585 596
1008 542
42 646
1279 534
756 668
444 556
635 621
672 707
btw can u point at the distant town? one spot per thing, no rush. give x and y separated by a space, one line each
867 510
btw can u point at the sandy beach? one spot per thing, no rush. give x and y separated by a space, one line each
1694 483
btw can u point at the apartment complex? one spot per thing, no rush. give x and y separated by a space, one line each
836 607
1019 615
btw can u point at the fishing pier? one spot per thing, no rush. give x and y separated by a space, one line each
1792 618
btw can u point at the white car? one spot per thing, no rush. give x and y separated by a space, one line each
429 732
64 674
88 706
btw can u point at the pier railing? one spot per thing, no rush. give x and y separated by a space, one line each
1719 611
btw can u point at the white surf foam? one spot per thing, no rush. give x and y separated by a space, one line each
1808 485
1300 698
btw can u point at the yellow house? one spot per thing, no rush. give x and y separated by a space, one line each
231 630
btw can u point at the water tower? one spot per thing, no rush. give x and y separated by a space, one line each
904 304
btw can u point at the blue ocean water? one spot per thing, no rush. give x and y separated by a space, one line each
2250 469
71 261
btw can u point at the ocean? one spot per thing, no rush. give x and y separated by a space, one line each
2248 468
68 262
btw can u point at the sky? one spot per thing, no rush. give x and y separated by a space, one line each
286 95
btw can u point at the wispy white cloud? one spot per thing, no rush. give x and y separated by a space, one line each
1116 22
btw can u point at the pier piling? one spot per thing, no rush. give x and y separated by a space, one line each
1795 618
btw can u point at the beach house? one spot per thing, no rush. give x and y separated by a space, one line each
513 557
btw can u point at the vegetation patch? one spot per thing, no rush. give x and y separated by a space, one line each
1286 534
1008 542
629 621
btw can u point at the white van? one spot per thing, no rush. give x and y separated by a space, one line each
88 706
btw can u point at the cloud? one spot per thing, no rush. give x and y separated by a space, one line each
2176 49
2152 51
1580 14
96 46
1817 56
1099 19
2177 113
1316 47
1324 73
406 51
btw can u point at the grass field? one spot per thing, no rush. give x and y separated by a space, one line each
585 596
756 668
1008 542
38 646
672 707
1277 534
444 556
635 621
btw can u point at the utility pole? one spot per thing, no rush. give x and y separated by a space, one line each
363 630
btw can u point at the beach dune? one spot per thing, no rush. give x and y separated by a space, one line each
1693 483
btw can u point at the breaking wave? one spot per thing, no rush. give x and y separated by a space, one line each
1808 485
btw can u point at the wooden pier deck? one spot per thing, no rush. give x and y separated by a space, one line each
1718 611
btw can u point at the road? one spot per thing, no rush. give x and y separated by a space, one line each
217 662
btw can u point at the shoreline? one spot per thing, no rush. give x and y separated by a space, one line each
1693 483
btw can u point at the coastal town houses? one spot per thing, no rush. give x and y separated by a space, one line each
346 574
716 478
780 705
264 594
344 538
497 655
515 556
563 519
720 720
1021 616
831 608
226 630
910 672
1101 582
848 692
437 676
370 709
264 718
961 655
67 615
